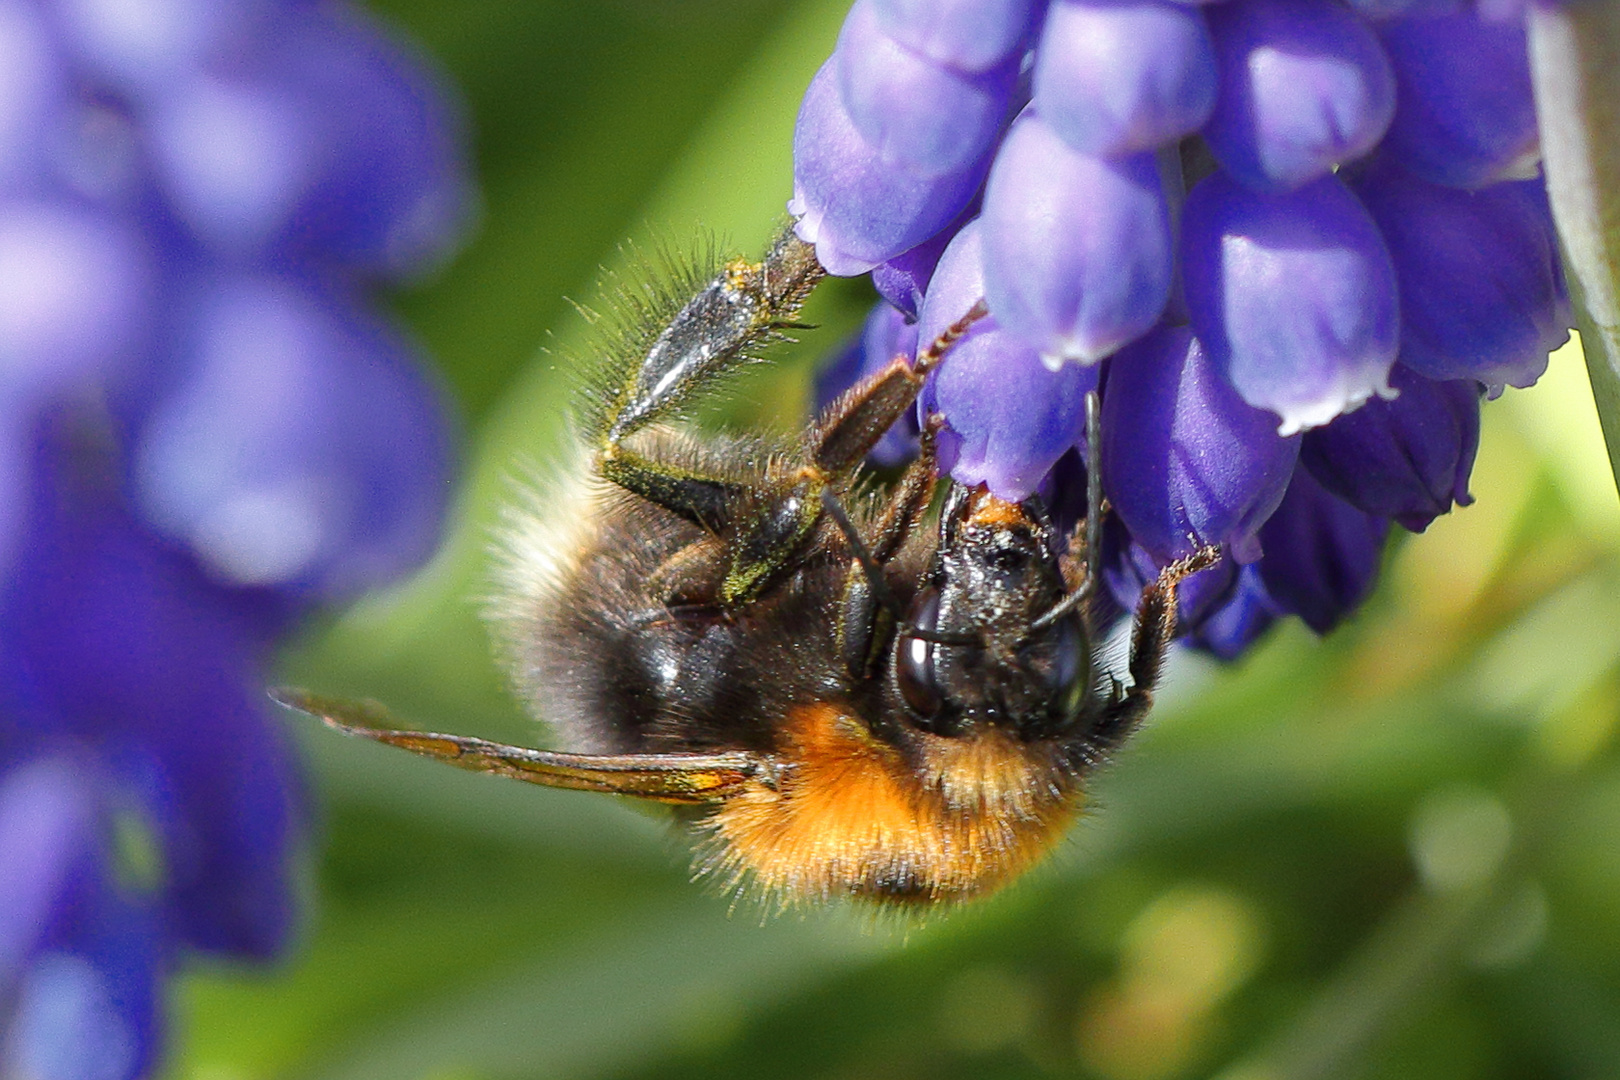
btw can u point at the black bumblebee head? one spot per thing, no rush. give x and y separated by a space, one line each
985 656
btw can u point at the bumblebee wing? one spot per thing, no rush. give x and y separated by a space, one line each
668 778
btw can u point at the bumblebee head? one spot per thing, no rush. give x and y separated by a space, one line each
977 653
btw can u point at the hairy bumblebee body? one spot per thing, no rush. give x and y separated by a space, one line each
908 814
888 696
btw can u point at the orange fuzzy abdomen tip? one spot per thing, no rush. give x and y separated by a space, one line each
852 817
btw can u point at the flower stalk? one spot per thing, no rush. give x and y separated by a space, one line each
1575 66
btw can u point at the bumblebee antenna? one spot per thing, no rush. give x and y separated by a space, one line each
1093 538
1094 495
874 577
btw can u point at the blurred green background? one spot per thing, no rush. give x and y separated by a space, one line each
1392 853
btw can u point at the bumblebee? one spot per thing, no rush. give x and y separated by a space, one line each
847 692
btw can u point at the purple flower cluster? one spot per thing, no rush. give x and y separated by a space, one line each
204 430
1292 242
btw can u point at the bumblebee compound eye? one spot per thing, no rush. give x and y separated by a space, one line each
914 669
1058 661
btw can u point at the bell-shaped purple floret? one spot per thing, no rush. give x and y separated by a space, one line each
1128 568
856 210
154 668
48 837
903 280
303 450
76 297
914 111
1501 10
1375 10
258 159
1008 417
1482 294
1243 614
973 35
1407 459
1123 76
86 1006
33 91
138 47
233 781
80 956
14 430
1465 115
884 336
1186 462
1077 251
1322 554
1064 490
1293 295
1304 87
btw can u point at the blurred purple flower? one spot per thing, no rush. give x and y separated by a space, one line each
253 157
13 481
139 49
77 295
34 90
201 432
300 447
1317 190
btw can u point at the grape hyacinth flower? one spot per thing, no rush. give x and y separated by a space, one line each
1292 242
205 431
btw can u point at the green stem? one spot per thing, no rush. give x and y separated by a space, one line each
1575 64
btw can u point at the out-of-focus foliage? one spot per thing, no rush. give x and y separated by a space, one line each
1393 853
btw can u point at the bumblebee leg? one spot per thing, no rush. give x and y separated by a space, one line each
709 502
1080 574
836 444
762 525
869 613
1150 641
846 430
911 495
740 310
743 308
692 576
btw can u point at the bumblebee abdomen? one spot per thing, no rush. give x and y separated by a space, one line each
851 816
